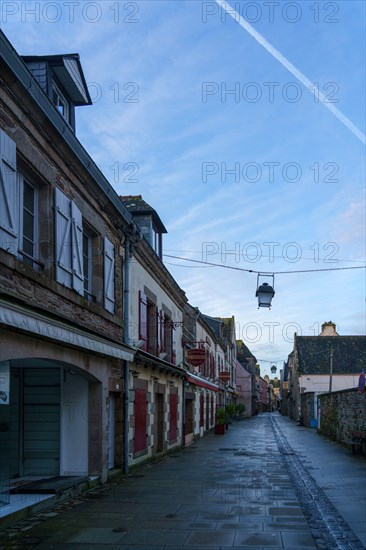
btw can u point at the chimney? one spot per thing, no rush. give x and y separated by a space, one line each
328 329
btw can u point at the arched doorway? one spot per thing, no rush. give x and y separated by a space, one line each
52 418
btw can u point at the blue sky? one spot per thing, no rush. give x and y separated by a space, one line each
269 163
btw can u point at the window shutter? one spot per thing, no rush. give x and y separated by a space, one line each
158 331
143 320
77 249
108 275
174 346
140 442
64 271
8 195
173 414
162 331
201 411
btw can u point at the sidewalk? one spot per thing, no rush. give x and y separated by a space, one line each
246 489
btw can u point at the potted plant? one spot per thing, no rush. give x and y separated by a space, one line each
240 410
220 421
230 410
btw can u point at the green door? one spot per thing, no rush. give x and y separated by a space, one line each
15 423
41 422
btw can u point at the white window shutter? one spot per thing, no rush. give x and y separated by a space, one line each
108 275
8 195
77 249
63 241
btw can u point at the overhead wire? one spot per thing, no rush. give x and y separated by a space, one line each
261 272
264 257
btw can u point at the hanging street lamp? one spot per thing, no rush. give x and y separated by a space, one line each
273 369
265 291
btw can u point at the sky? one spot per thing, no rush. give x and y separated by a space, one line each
242 124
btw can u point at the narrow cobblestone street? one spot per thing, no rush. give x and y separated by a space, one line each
266 483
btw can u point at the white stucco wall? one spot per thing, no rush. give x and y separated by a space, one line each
140 278
319 383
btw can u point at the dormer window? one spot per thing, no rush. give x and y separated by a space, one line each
156 240
62 79
60 102
148 220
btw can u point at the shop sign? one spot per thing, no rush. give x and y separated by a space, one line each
224 376
196 357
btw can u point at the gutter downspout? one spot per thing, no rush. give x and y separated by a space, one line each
126 338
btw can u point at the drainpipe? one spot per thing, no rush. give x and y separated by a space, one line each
184 412
126 338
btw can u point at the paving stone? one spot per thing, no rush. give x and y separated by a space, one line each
210 538
161 537
285 511
92 535
294 540
258 539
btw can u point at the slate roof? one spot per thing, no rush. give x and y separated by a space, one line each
243 353
228 328
214 323
313 352
137 206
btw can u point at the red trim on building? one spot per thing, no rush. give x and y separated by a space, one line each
202 383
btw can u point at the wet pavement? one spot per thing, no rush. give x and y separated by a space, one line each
267 483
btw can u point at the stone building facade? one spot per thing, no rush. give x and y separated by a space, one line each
62 229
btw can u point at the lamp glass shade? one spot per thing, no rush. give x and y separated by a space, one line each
265 294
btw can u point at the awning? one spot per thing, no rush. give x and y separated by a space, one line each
30 321
152 361
197 381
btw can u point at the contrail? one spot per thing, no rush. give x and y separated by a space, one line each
291 68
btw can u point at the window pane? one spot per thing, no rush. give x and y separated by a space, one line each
28 247
61 107
28 199
28 225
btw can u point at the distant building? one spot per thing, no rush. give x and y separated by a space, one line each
246 380
320 364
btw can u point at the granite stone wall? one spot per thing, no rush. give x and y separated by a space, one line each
342 412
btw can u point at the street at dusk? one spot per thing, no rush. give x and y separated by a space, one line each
182 275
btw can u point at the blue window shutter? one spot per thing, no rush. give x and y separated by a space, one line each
63 241
109 275
162 331
77 249
8 195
